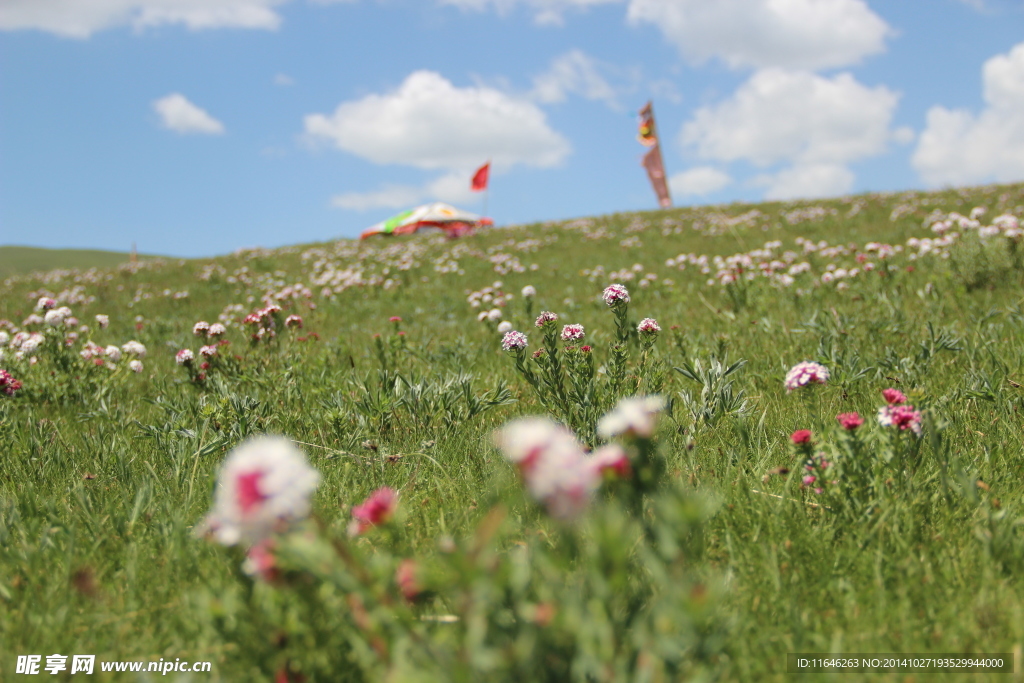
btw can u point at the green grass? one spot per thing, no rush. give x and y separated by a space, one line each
104 475
24 260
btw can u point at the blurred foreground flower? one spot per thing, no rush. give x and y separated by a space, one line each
551 461
634 416
264 484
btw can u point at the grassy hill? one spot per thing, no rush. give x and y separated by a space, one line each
728 538
22 260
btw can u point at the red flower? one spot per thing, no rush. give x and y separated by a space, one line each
801 436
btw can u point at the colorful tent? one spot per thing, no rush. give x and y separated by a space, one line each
455 222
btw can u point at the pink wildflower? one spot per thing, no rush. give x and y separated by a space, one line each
201 328
216 329
208 351
572 333
615 294
545 317
850 421
102 321
804 373
395 319
375 510
293 321
903 417
513 341
893 397
648 326
184 357
134 348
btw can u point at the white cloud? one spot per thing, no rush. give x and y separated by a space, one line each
283 79
82 18
803 34
546 12
812 125
702 180
794 116
807 181
574 72
178 114
451 187
958 147
429 123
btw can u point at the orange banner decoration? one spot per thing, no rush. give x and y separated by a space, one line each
652 160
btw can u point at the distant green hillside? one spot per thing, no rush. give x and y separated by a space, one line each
19 260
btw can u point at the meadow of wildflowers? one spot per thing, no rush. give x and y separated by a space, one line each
666 446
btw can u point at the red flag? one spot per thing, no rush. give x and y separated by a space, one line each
479 182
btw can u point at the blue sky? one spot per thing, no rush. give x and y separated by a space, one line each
196 127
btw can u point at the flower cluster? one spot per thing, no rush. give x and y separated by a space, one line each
897 413
492 296
513 341
264 322
571 333
648 326
56 342
807 372
615 295
545 317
